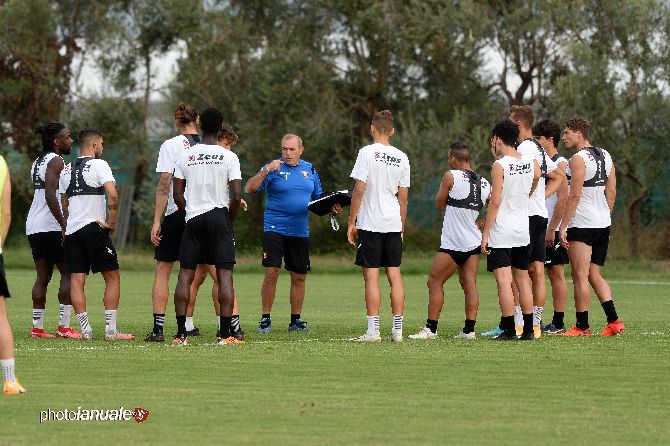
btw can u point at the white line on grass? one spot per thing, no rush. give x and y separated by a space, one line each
131 346
636 282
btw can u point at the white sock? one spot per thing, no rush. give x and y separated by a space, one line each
64 317
8 369
518 316
537 316
373 325
189 323
110 321
397 324
83 322
38 317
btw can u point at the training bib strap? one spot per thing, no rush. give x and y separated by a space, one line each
474 199
77 184
600 177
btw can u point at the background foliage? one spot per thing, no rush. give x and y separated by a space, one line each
448 69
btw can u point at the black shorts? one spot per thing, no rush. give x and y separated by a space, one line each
597 238
47 245
556 255
378 249
516 257
294 250
172 229
90 249
460 257
4 289
208 238
537 249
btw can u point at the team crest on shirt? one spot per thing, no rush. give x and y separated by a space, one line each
304 173
376 155
191 157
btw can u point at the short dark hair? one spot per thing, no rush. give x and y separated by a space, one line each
383 121
548 129
87 135
579 124
523 113
460 151
507 131
228 133
211 121
185 114
48 134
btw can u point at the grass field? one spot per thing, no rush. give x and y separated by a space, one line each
318 388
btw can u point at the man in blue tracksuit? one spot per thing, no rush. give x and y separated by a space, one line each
290 183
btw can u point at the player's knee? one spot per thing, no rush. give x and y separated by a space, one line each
272 274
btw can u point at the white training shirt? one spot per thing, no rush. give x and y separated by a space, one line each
511 225
537 204
207 170
551 201
592 210
459 231
85 209
167 156
40 218
384 169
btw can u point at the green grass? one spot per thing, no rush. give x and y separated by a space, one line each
316 388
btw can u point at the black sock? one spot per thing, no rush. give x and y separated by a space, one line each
235 323
469 326
159 320
431 325
181 325
610 311
527 323
582 320
225 326
558 319
265 316
294 317
501 325
507 324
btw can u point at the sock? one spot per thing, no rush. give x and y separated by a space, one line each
432 325
159 321
537 316
110 321
265 316
218 322
527 322
610 311
225 326
558 319
83 322
469 326
8 369
64 315
500 325
582 320
397 324
181 325
234 323
373 325
38 317
189 323
518 316
294 317
507 324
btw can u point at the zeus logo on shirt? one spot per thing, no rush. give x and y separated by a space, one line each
388 159
515 169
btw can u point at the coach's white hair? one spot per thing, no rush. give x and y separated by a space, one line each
291 136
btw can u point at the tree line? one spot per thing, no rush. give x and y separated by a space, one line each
449 69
